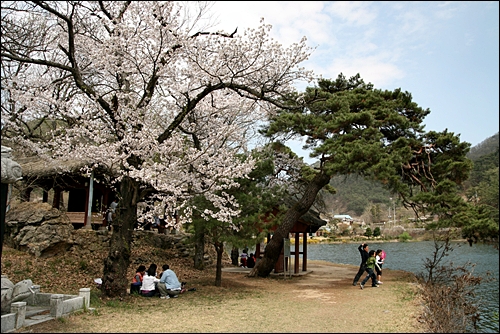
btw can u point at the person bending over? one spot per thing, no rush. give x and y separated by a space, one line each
169 285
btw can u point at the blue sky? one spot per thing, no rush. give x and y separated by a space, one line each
446 54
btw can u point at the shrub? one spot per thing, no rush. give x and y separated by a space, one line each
448 294
404 237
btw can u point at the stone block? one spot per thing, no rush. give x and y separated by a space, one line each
56 305
8 322
19 308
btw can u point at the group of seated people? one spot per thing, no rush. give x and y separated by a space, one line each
147 284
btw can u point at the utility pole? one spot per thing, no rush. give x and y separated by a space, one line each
390 212
394 212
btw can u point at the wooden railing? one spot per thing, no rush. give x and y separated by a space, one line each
79 217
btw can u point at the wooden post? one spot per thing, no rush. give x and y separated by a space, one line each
88 202
304 252
56 201
297 253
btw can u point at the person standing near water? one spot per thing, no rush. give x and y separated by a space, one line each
380 262
363 250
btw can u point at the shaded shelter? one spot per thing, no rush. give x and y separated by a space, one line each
87 196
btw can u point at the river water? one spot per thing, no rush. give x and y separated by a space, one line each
409 256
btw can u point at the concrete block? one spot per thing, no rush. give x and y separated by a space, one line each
71 305
56 306
32 300
43 299
8 322
85 293
19 308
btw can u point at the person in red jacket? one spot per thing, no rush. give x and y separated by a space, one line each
137 280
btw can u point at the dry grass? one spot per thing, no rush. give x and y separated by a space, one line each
321 301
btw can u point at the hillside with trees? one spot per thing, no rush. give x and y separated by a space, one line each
487 146
356 196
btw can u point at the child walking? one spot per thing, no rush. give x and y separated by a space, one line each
378 267
371 262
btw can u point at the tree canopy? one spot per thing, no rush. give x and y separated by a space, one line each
353 128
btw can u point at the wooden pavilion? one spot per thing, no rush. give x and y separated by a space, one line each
84 198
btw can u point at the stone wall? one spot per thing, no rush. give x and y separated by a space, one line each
43 231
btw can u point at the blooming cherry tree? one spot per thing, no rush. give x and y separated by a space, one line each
137 90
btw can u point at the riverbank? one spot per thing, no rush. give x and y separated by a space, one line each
413 235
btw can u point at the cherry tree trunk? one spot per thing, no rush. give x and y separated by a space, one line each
219 248
115 280
273 249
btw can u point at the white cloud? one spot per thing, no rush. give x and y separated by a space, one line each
291 20
447 10
372 69
354 12
389 44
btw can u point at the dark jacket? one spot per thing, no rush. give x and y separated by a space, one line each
251 262
364 254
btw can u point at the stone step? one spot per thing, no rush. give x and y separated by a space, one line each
36 315
36 310
37 319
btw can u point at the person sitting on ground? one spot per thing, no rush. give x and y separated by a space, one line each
137 280
169 285
149 286
251 261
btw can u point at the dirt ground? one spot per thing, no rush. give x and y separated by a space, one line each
324 300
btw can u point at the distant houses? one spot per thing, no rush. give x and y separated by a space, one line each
344 218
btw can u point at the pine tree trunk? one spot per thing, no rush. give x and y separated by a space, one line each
219 248
235 254
199 246
273 249
115 281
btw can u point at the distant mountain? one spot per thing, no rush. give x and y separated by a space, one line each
356 196
487 146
